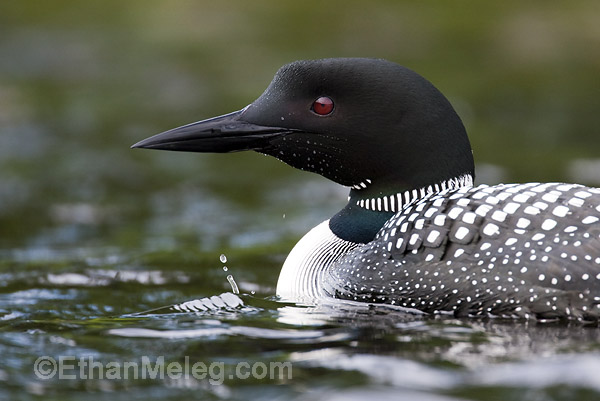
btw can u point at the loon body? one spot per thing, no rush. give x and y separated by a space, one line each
415 232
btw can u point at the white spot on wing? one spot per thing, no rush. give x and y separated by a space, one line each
548 224
560 211
499 215
482 210
455 212
469 217
461 233
433 235
491 229
521 198
551 197
439 220
531 210
578 202
538 237
511 207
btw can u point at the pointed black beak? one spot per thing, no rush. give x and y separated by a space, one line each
226 133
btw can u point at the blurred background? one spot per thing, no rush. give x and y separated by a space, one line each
82 81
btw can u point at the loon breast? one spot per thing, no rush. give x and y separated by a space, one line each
301 276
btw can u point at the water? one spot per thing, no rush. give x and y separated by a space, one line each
234 286
338 350
112 257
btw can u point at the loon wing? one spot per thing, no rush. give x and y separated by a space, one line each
470 252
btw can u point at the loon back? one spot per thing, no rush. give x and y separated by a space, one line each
415 232
507 250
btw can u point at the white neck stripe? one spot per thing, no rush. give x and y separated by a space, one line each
393 203
362 185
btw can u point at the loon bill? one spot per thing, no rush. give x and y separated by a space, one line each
415 232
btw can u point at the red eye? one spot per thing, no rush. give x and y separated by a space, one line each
323 106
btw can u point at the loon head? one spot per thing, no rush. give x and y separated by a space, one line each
369 124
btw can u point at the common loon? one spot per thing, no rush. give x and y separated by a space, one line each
415 232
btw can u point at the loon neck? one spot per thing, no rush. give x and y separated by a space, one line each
368 210
363 197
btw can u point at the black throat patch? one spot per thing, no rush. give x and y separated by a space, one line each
358 225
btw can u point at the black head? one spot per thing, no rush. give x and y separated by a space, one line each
351 120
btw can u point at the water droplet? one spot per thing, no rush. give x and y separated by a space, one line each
223 258
284 215
234 287
225 268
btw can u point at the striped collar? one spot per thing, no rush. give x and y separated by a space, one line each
395 202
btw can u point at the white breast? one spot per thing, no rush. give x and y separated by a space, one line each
302 272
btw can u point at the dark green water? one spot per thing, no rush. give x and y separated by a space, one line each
97 241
